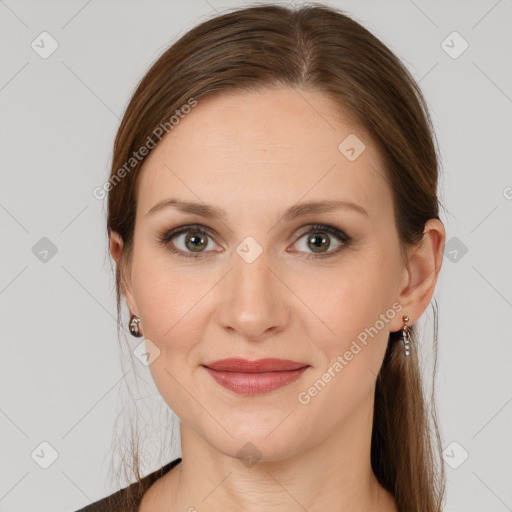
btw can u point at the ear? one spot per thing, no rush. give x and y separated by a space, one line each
116 247
420 274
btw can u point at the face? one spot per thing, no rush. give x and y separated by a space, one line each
256 283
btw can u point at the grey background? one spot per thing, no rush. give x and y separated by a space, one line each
60 370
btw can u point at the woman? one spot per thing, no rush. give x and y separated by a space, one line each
273 216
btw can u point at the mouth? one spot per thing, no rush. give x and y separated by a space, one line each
255 377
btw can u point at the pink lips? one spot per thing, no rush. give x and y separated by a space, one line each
255 377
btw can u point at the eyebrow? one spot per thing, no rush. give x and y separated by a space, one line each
297 210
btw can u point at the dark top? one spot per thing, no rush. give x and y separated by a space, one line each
128 499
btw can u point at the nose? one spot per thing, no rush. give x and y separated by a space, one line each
254 301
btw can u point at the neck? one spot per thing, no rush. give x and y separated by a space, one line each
331 475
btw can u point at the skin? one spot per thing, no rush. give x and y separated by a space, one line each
254 155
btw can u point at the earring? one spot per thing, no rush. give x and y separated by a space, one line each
406 335
134 326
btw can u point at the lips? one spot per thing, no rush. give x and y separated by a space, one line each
255 377
259 366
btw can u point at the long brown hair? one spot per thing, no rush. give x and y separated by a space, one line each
322 49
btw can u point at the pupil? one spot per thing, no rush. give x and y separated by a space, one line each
194 239
321 240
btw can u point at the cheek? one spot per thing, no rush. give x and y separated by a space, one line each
169 302
353 294
164 290
169 305
354 305
176 302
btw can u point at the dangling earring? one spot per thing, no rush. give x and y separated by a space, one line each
406 335
134 326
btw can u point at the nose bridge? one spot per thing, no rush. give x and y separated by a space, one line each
251 292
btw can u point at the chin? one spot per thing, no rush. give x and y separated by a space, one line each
251 445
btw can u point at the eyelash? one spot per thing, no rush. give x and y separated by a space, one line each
323 228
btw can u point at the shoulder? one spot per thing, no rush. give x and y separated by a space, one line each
131 495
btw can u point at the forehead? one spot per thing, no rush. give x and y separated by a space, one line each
254 149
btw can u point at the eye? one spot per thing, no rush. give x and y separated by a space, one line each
185 239
192 241
318 240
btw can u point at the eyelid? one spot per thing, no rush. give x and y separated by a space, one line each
327 228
